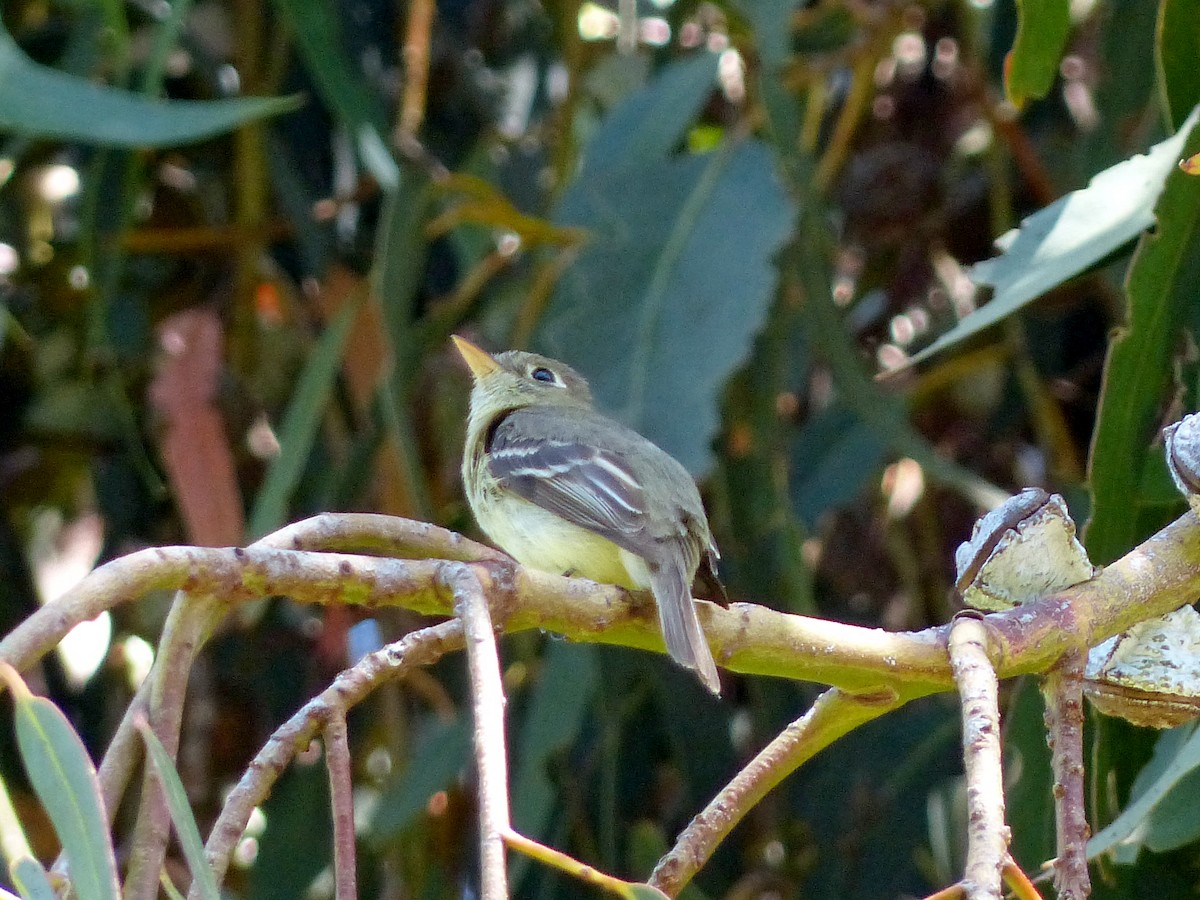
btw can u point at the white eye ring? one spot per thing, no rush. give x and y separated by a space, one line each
544 375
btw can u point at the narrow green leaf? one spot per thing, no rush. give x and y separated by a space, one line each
1137 373
1031 65
31 880
682 252
1177 754
652 122
318 32
1068 237
40 102
65 781
181 814
300 422
1177 45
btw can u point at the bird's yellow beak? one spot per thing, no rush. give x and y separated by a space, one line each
479 361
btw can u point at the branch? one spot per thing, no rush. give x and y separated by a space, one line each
1160 575
487 703
341 800
1063 691
832 715
987 835
421 648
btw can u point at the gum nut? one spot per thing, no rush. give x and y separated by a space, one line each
1021 551
1183 456
1150 674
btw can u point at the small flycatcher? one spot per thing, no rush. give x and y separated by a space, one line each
563 489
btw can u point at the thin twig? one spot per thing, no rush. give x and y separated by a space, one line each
1063 692
341 800
987 835
349 532
1018 882
832 715
487 704
417 40
557 859
420 648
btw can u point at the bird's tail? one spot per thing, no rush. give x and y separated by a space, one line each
680 626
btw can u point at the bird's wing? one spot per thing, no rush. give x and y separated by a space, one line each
586 485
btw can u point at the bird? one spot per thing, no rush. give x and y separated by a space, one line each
562 488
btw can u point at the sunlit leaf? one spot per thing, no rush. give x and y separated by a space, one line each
31 880
1177 754
1032 64
65 780
1068 237
1138 372
40 102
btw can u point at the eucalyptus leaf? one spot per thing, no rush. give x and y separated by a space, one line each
561 698
1068 237
204 881
1176 755
681 254
1032 65
833 458
65 780
31 880
1139 370
318 32
299 428
1177 51
37 101
652 121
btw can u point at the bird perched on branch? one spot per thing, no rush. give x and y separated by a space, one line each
564 489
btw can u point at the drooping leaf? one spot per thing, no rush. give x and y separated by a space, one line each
1068 237
65 780
681 254
1176 755
1032 64
37 101
31 880
1178 48
203 879
1138 371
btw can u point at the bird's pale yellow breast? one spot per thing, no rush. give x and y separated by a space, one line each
542 540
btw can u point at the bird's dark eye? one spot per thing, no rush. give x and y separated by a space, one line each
541 373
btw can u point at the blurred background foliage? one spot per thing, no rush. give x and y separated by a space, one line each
730 216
